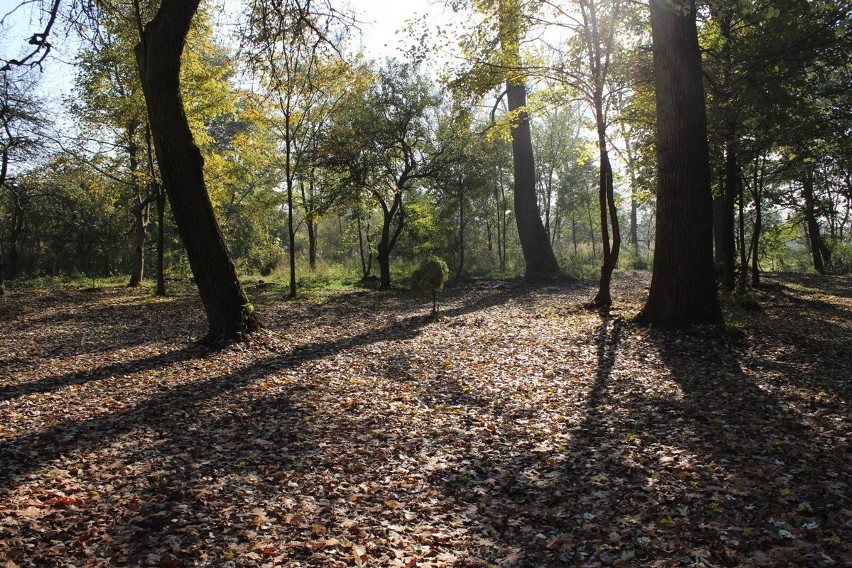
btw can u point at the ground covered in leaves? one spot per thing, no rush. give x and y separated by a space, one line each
519 429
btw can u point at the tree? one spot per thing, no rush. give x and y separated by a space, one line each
386 146
111 100
683 290
158 55
538 253
288 48
590 72
20 121
429 278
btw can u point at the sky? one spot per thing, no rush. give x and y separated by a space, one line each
382 20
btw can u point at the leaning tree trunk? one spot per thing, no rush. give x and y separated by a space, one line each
683 290
538 253
158 57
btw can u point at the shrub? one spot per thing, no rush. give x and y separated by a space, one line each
430 276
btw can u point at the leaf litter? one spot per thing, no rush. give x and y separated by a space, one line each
518 429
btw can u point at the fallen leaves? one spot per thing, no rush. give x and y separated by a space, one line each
517 430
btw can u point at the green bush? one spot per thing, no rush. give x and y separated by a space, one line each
430 277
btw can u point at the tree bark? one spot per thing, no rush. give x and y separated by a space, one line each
158 57
683 291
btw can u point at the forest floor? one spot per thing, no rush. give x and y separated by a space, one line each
518 429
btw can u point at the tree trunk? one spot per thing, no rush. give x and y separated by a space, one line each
390 234
538 253
741 233
140 231
756 231
819 251
312 241
633 231
291 235
609 216
726 224
139 209
158 57
158 190
366 263
460 267
683 291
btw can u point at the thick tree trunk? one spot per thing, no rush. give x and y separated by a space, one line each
139 209
683 291
538 253
158 57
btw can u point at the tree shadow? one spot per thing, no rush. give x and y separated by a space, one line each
773 474
57 382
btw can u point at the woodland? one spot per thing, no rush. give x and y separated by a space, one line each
556 283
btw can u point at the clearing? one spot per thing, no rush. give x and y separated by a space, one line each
519 429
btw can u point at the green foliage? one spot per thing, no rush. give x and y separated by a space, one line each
430 276
841 258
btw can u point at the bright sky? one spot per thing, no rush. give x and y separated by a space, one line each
382 21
